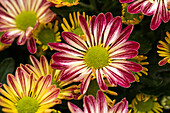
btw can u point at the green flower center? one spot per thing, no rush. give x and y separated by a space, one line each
25 20
144 106
97 57
70 1
93 88
27 105
78 31
46 35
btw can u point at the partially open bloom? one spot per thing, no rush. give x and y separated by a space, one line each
46 33
145 104
157 8
61 3
24 94
128 18
166 102
140 60
19 17
75 26
3 46
165 47
42 68
99 105
103 53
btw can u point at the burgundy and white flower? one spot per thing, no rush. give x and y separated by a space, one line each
157 8
103 54
99 105
19 17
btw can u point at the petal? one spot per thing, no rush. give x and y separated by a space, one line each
65 48
85 29
100 80
74 40
135 7
120 107
22 39
101 102
89 104
148 8
91 28
44 67
99 26
7 40
165 12
108 17
31 45
126 1
124 54
36 64
112 31
109 77
85 84
73 108
163 61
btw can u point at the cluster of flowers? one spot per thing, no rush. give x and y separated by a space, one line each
95 49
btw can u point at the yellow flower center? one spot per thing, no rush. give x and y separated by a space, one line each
27 105
78 31
97 57
26 19
145 106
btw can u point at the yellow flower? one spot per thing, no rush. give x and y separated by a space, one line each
42 68
128 18
140 60
145 104
165 47
75 26
61 3
46 33
25 94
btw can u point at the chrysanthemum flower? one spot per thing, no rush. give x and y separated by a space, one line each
19 17
46 33
42 68
61 3
24 94
102 54
128 18
166 102
157 8
99 105
145 104
140 60
165 47
75 26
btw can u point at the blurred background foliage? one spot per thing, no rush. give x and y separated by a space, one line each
156 83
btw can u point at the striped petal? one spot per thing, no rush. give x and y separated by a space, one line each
7 40
85 84
91 28
100 80
65 48
148 8
73 108
108 17
121 107
165 12
135 7
126 1
74 40
89 104
31 45
101 102
112 31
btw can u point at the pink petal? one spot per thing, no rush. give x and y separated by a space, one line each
85 84
101 102
31 45
120 107
108 17
65 48
148 8
73 108
85 29
124 54
165 12
100 80
44 65
6 40
22 39
58 66
91 28
112 31
163 61
74 40
89 104
135 7
36 64
99 26
126 1
109 77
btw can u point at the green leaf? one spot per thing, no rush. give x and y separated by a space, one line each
6 66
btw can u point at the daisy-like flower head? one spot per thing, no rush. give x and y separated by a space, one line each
103 53
46 33
24 94
165 102
165 47
99 105
19 17
61 3
157 8
140 60
75 26
145 104
42 68
128 18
